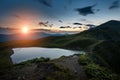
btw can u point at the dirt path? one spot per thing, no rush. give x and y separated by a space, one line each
71 63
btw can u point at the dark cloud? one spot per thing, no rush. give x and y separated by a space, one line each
91 25
47 3
65 7
77 24
60 21
86 21
114 5
65 27
86 10
75 27
80 27
51 25
97 10
42 24
82 19
45 24
16 16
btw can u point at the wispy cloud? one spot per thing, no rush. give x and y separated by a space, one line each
47 3
115 4
60 21
45 24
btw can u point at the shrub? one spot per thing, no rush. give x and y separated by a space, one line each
95 71
84 59
62 75
35 60
99 73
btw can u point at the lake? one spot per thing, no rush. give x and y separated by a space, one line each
23 54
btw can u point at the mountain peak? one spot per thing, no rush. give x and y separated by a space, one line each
113 21
108 31
113 24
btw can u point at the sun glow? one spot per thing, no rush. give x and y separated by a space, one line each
25 30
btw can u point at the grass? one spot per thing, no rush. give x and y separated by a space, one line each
64 74
95 71
50 71
101 73
109 52
5 60
81 42
84 59
61 76
35 60
69 41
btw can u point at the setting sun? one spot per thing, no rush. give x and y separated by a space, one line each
25 30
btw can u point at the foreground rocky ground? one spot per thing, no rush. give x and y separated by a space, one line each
64 68
72 64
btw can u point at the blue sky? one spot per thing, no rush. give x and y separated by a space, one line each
30 12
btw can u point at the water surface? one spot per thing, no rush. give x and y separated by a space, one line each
23 54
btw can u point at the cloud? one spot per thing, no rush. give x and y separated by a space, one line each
86 21
65 27
86 10
77 24
60 21
82 19
114 5
45 24
51 25
42 24
91 25
47 3
17 16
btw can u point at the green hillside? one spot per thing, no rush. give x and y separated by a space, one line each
109 51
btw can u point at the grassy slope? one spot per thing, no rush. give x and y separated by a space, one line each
5 59
109 51
96 71
72 41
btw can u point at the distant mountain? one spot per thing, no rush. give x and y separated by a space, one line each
31 36
107 31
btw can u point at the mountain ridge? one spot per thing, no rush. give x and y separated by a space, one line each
107 31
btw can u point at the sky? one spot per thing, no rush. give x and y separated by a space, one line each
56 13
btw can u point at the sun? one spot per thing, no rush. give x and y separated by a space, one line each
25 30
